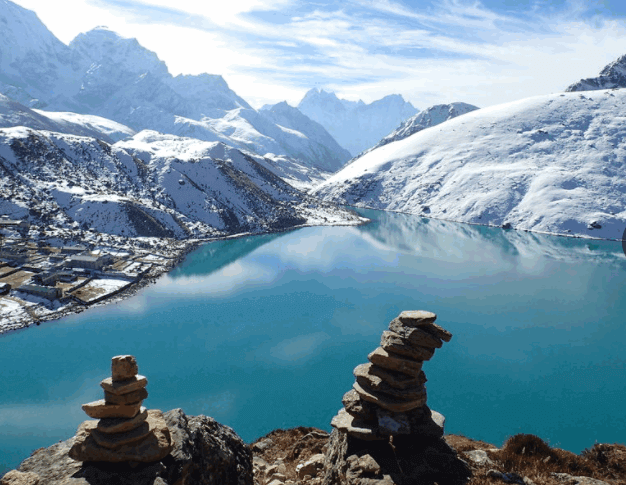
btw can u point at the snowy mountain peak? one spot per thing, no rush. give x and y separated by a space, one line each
102 45
613 75
431 116
355 125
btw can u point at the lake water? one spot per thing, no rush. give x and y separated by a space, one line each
263 333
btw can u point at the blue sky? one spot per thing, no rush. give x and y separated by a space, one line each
483 53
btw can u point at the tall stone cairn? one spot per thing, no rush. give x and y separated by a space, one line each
385 433
124 431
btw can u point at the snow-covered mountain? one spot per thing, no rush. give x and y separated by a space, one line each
552 164
35 67
355 125
101 73
432 116
613 75
330 154
152 185
13 113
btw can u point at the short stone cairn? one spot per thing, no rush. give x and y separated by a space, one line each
385 432
125 431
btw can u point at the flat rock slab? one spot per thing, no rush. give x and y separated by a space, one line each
387 402
394 379
117 440
376 383
415 335
155 446
357 407
123 367
392 361
130 398
124 387
415 318
397 344
355 427
100 409
122 425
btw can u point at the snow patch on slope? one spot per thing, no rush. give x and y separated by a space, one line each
551 164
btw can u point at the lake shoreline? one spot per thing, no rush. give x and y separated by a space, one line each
151 277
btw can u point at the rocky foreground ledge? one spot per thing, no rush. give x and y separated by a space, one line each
203 452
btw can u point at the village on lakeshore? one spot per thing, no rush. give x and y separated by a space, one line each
42 279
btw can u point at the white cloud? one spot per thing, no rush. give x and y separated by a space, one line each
452 51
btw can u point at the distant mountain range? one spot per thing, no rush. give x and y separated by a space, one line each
355 125
151 185
103 74
551 164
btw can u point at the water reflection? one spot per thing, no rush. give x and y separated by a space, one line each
451 241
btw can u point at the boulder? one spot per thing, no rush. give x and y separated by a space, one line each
311 467
20 478
409 460
204 452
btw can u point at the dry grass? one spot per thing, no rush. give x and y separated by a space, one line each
529 456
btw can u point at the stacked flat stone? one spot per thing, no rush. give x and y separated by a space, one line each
389 396
125 431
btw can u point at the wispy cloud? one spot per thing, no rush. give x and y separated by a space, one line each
269 50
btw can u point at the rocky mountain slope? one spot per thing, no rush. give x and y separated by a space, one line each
432 116
613 75
550 163
355 125
152 185
101 73
13 114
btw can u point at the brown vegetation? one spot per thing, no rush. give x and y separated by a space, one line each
523 459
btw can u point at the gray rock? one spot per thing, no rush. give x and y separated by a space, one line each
311 467
20 478
568 479
415 335
355 427
478 457
204 453
409 460
397 344
388 359
391 403
357 407
397 380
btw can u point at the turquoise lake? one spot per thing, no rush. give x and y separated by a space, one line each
263 333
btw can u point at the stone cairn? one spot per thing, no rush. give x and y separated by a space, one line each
385 432
125 431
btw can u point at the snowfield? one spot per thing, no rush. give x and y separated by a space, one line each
552 164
